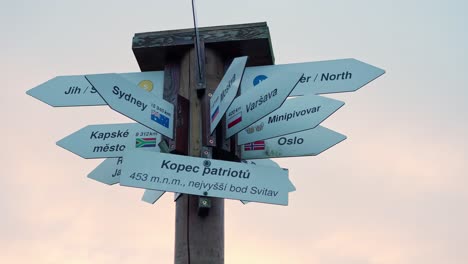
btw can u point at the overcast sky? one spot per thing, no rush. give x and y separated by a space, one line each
394 192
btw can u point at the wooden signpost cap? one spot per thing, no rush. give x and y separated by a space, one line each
153 49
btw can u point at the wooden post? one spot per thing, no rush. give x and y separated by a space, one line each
199 238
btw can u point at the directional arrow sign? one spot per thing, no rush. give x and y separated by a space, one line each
258 102
321 77
226 91
306 143
108 171
75 90
112 140
296 114
136 104
207 177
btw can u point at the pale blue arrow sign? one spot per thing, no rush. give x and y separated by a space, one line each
296 114
207 177
75 90
136 104
258 102
306 143
226 91
110 140
320 77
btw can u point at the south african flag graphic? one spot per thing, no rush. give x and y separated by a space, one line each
145 142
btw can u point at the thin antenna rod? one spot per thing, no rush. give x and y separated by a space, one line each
197 42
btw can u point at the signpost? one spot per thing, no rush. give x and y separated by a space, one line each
111 140
206 177
306 143
226 91
136 104
320 77
268 125
258 102
296 114
75 90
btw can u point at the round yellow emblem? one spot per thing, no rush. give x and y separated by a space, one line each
147 85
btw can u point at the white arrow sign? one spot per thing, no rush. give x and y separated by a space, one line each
321 77
306 143
258 102
75 90
226 91
296 114
111 140
108 171
207 177
136 104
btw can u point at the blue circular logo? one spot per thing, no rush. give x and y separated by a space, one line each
259 79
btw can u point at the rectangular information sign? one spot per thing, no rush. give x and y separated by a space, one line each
207 177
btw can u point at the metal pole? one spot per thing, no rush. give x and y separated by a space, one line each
201 81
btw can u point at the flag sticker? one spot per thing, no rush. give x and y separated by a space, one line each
160 118
235 119
145 142
257 145
215 113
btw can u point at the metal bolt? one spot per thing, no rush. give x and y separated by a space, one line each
210 94
211 141
206 163
205 201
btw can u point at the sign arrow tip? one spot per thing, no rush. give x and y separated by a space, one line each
292 188
66 143
38 93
